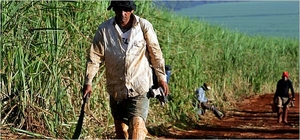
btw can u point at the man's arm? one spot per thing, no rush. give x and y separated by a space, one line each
292 90
156 55
94 59
276 93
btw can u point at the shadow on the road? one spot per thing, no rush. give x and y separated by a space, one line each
247 113
247 129
222 129
246 121
247 117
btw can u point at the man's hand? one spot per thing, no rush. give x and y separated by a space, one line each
87 89
165 87
293 100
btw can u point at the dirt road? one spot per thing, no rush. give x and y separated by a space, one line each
253 119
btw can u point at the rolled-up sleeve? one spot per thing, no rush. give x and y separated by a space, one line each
155 53
95 57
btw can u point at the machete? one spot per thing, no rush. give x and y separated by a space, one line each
80 120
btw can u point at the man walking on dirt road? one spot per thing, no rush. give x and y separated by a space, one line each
282 98
127 45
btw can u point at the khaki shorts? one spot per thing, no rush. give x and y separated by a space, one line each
282 101
135 106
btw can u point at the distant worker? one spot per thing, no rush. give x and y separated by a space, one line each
282 98
203 104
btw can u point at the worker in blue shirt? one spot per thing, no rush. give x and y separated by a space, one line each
203 102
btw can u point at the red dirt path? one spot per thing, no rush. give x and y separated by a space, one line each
253 119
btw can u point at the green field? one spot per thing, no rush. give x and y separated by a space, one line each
43 50
268 18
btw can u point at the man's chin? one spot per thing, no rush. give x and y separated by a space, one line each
122 21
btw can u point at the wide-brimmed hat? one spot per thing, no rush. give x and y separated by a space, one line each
125 4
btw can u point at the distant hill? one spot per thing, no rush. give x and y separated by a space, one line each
178 5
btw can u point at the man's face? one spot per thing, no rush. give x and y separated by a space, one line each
285 78
122 14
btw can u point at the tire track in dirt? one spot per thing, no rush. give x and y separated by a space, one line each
252 119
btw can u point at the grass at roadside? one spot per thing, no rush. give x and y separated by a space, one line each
43 57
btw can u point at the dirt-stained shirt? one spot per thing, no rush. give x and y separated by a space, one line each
127 60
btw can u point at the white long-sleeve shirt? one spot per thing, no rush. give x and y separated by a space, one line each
127 60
